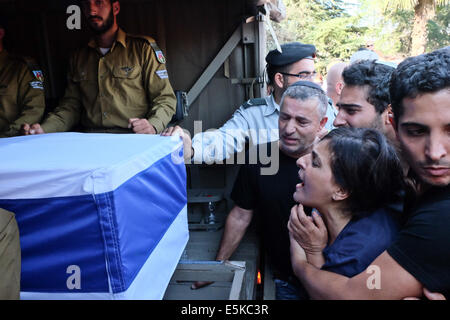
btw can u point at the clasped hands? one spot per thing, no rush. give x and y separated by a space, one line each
308 236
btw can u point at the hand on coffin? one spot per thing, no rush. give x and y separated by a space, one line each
185 136
26 129
141 126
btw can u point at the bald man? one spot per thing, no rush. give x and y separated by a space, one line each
335 82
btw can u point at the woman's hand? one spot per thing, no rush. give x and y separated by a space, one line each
310 233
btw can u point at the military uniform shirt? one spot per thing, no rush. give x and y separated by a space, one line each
104 92
22 97
257 120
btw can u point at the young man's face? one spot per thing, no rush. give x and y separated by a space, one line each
424 133
100 14
355 111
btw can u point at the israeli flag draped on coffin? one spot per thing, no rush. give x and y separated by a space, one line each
101 216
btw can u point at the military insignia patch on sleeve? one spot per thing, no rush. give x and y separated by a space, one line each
159 54
38 75
37 85
162 74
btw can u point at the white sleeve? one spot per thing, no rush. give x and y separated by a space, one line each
219 144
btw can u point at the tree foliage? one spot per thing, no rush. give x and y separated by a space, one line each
326 24
424 12
337 34
439 29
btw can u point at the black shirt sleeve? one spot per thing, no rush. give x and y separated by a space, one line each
423 246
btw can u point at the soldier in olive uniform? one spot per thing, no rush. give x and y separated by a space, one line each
22 97
10 259
118 83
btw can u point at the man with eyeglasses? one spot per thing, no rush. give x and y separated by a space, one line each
257 119
118 83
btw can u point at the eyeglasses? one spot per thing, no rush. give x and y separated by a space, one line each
303 75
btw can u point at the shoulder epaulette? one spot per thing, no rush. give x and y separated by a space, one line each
31 63
158 52
146 38
34 67
28 61
254 102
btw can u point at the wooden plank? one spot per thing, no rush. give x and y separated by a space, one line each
202 275
183 291
236 286
204 245
228 276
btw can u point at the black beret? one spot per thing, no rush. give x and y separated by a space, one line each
308 84
292 52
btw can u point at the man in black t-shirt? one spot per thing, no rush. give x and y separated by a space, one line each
269 197
266 193
420 257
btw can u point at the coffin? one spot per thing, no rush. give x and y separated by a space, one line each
101 216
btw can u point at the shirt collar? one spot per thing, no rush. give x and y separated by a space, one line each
271 107
120 38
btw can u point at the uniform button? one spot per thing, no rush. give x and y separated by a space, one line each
104 114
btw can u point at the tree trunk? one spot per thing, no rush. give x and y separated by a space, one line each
425 10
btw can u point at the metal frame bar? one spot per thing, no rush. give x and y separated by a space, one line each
218 61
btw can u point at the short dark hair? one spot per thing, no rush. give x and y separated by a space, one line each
373 74
367 167
301 90
425 73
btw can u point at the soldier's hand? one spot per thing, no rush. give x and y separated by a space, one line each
184 134
26 129
141 126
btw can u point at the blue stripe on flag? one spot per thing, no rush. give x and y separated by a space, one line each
129 222
144 208
57 233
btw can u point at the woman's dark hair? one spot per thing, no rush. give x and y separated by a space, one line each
367 167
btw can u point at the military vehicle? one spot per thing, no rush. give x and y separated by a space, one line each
215 52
